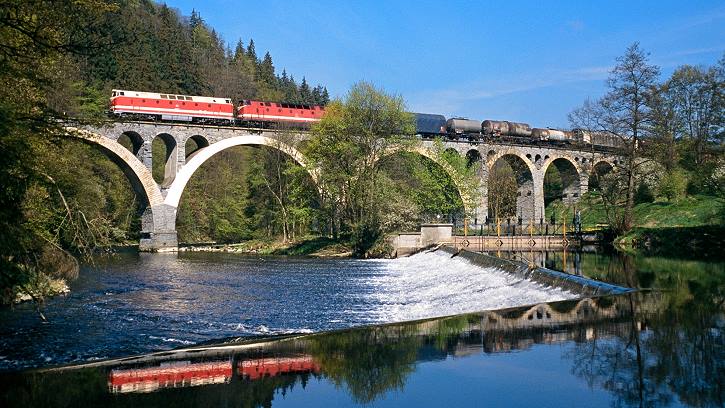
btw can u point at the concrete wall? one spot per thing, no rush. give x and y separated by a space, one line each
433 234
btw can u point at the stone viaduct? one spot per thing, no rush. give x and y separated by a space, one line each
161 199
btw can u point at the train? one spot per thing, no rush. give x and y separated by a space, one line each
153 106
473 130
210 110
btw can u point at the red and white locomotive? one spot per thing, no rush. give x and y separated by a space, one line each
212 110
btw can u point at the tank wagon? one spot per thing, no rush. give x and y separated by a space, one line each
463 128
505 128
550 135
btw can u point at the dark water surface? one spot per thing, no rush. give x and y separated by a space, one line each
662 347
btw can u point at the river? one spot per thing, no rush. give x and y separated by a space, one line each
138 303
661 346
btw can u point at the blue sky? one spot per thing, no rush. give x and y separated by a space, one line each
529 61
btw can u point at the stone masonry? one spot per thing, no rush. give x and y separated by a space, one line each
162 199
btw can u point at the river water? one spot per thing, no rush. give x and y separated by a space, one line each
138 303
661 346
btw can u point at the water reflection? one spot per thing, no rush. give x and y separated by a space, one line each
179 374
650 348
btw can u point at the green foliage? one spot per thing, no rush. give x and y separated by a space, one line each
553 187
43 210
346 147
502 191
673 184
416 190
644 194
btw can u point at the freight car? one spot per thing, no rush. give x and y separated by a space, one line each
550 135
505 128
463 128
429 125
603 139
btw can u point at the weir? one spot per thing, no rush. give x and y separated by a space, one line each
544 276
516 239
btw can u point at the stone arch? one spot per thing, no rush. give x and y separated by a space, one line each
139 175
132 141
196 142
171 158
599 169
173 195
473 156
571 178
529 199
493 157
452 151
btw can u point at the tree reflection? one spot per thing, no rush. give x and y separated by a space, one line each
373 361
648 348
672 346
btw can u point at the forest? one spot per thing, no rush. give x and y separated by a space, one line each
64 201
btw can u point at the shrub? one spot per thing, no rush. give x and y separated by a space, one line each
673 184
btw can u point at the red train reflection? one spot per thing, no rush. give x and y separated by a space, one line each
270 367
187 374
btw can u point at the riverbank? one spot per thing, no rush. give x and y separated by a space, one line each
693 225
321 247
50 287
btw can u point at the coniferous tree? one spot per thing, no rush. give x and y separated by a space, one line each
239 51
305 93
266 71
195 20
252 51
325 99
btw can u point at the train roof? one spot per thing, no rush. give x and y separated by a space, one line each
154 95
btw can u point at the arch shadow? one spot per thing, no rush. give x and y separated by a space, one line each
171 158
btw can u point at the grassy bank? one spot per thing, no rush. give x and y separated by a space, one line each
689 226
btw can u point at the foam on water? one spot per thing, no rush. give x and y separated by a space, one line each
433 284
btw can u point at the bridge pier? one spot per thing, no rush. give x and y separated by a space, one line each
158 229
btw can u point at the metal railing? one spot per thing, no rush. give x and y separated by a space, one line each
519 227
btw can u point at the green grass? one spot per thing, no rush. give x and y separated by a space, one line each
694 211
692 226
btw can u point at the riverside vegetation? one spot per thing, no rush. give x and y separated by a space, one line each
63 200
